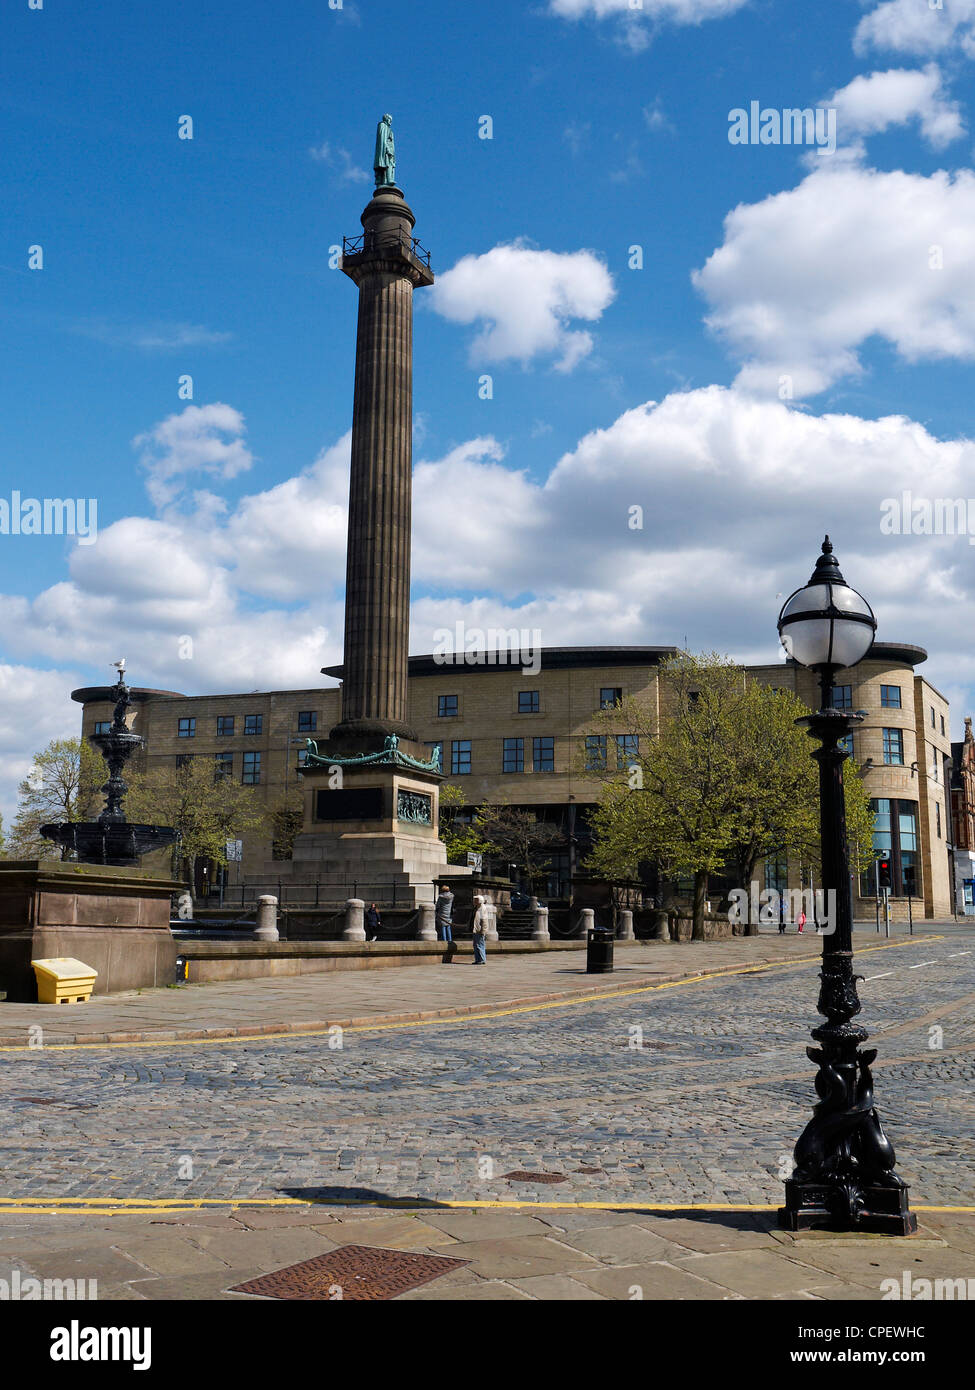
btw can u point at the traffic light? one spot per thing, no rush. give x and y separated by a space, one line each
883 873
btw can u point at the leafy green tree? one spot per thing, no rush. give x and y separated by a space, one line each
679 773
520 837
460 837
62 785
286 816
204 806
776 808
723 780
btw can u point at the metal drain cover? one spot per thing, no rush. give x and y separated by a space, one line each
352 1273
536 1177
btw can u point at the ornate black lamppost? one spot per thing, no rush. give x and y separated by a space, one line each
844 1175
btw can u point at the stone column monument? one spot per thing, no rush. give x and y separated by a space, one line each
386 263
371 810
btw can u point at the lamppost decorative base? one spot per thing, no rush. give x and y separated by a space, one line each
844 1177
826 1205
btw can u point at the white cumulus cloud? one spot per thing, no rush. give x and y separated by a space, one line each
873 102
731 494
201 439
806 276
526 300
677 11
917 26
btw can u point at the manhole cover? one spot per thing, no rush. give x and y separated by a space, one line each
536 1177
52 1100
354 1272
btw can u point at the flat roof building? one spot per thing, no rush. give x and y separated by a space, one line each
516 734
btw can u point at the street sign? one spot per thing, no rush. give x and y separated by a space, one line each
475 862
235 851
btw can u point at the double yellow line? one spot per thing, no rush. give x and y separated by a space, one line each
136 1206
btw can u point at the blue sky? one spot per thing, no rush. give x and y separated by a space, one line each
209 257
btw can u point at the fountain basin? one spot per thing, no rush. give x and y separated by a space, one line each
113 843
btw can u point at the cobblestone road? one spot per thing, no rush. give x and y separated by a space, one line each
692 1093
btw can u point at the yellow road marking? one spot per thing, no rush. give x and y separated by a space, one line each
489 1014
151 1206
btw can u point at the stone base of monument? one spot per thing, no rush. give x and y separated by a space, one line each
115 920
372 824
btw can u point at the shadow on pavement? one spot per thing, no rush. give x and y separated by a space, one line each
359 1196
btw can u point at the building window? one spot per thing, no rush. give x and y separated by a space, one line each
187 728
890 696
225 725
846 743
934 763
307 721
595 753
103 726
223 766
527 701
627 748
777 872
842 696
447 707
543 754
937 817
302 756
513 755
610 696
253 723
183 759
932 717
907 846
252 767
942 726
894 746
895 835
460 756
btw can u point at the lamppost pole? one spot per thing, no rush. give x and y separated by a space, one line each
844 1163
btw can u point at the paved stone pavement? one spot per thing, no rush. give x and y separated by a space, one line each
315 1001
672 1094
544 1253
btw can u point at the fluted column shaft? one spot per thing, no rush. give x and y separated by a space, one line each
377 591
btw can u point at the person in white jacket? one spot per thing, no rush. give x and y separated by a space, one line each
478 926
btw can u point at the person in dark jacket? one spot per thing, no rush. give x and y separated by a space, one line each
444 914
373 922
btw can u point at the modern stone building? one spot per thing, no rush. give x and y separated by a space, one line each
963 822
520 738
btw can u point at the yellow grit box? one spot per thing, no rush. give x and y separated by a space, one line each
64 980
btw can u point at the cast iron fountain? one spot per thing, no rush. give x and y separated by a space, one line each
111 839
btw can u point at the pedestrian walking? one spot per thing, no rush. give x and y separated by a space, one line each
373 922
781 915
801 919
444 914
478 928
